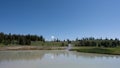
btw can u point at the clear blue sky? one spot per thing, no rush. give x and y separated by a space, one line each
61 18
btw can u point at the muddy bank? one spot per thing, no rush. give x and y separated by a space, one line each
31 48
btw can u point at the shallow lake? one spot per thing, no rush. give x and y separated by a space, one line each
56 59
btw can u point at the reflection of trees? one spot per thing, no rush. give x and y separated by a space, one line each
39 54
20 55
28 54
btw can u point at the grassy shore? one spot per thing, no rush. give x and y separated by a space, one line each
112 51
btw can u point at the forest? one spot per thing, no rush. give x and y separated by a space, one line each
97 42
17 39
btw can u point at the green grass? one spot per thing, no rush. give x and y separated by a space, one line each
39 43
115 51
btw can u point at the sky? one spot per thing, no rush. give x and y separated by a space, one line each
63 19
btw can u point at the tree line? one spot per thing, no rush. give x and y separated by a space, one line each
19 39
97 42
91 41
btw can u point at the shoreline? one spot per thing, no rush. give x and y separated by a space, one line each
97 50
31 48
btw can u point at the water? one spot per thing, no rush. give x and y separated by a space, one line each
56 59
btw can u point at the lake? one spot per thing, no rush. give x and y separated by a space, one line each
56 59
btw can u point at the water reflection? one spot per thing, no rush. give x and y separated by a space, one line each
56 59
40 54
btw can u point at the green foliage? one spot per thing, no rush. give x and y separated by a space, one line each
97 42
7 39
11 39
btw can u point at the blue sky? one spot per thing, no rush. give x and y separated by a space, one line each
61 18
